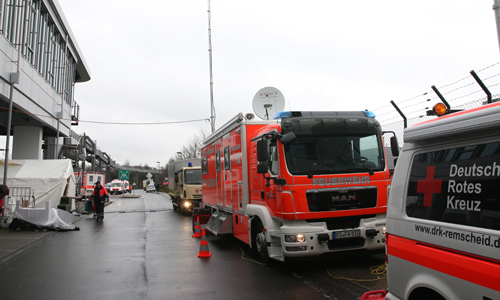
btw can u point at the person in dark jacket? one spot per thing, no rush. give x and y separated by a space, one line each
99 196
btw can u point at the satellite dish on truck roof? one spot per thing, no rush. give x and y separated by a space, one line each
267 102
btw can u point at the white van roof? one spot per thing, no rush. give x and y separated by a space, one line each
472 120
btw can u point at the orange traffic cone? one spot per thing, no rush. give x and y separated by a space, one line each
204 246
197 228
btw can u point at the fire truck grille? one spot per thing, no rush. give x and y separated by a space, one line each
333 200
197 196
341 222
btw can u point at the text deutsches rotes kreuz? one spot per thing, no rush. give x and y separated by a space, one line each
467 188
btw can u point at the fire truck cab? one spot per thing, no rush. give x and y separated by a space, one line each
443 215
303 184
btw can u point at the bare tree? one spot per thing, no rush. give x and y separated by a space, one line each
193 148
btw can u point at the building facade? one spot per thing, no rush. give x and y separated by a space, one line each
40 63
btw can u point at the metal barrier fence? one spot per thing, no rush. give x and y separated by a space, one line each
462 94
25 195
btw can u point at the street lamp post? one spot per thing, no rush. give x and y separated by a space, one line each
158 176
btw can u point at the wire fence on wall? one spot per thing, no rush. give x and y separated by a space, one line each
461 94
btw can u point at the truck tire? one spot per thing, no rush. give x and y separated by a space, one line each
179 206
259 242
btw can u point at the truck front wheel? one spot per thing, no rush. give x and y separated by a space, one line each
260 243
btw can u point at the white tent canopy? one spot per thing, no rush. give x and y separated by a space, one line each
48 178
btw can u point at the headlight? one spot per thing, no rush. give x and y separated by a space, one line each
187 204
383 230
298 238
301 238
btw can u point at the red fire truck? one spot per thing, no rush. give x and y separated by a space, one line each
303 184
86 180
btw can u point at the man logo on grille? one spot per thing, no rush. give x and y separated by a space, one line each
344 198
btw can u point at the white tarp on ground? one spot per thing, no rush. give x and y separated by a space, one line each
48 178
48 218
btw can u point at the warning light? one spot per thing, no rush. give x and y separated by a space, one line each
440 109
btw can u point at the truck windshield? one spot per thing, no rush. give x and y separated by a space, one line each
311 155
193 176
116 184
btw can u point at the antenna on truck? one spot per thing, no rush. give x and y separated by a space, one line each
267 102
212 105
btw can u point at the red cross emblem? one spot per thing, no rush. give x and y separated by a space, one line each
429 186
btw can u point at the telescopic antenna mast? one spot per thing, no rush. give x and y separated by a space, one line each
212 106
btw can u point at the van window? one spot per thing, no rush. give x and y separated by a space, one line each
217 161
204 165
458 185
273 158
227 158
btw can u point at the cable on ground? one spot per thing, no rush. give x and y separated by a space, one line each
379 270
242 252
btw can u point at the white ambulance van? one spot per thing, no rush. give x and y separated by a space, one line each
443 212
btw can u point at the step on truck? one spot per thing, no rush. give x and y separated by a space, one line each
303 184
185 190
443 214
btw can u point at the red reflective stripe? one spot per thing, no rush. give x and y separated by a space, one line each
473 269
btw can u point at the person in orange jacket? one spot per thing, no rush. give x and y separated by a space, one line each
99 196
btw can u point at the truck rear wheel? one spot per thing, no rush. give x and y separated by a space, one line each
260 243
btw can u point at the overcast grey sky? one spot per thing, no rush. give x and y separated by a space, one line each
149 60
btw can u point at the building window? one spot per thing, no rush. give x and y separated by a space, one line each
42 45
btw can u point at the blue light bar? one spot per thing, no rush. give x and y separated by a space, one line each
369 114
282 115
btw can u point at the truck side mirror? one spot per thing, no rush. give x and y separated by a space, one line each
288 138
262 153
262 168
394 146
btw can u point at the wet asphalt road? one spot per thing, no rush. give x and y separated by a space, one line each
144 250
